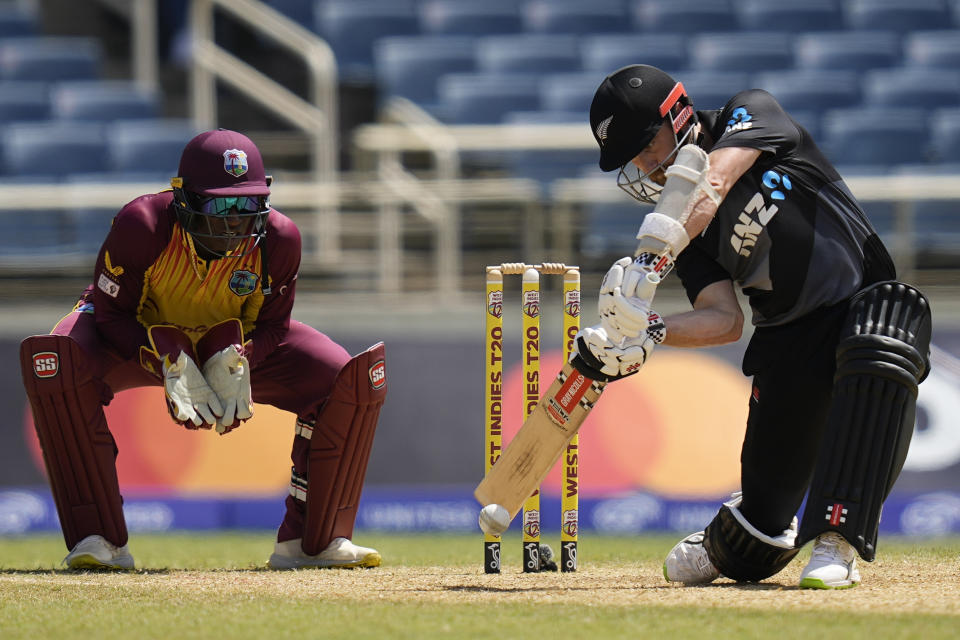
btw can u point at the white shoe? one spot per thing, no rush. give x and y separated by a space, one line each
339 554
833 564
95 552
688 563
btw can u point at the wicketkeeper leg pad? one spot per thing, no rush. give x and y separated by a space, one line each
341 437
740 551
882 356
78 449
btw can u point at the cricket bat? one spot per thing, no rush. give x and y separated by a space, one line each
530 455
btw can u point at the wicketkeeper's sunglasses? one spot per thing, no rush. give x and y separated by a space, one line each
221 206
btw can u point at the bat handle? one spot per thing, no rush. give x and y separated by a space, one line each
648 286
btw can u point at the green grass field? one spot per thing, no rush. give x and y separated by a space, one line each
430 586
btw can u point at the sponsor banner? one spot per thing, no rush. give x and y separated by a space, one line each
454 510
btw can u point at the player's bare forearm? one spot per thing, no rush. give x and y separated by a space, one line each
716 319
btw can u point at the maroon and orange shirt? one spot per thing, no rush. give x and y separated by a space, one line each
148 273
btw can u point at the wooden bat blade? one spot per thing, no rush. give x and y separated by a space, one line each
530 455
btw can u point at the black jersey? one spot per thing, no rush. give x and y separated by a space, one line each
789 232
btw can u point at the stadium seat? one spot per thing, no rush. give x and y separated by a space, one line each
300 11
546 166
352 26
54 149
712 89
410 66
907 87
526 53
809 120
38 232
741 51
455 17
683 16
608 52
16 22
789 16
569 91
852 50
945 135
875 136
932 49
897 15
102 101
811 90
24 101
575 16
44 59
484 98
148 145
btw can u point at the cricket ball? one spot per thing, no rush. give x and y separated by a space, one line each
494 519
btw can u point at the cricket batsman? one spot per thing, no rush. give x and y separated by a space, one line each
192 291
743 197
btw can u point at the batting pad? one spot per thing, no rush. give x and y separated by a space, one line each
881 359
78 449
340 444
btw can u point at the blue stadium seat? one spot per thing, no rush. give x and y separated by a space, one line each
569 91
897 15
853 50
809 120
54 149
528 53
43 59
410 66
300 11
90 225
608 52
932 49
907 87
455 17
936 225
875 136
684 16
37 233
352 26
712 89
811 90
24 101
945 135
484 98
103 101
148 145
575 16
790 16
16 22
741 51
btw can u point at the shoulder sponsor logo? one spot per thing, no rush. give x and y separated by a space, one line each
108 286
739 120
46 364
243 282
115 271
378 374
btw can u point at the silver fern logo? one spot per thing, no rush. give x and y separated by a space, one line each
602 129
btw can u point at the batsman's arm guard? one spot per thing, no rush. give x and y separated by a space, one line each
882 356
662 234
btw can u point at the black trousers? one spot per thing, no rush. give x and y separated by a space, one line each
792 367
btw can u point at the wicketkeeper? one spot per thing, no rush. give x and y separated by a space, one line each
193 289
743 196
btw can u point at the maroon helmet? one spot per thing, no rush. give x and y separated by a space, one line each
222 193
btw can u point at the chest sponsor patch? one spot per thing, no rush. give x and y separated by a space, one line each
108 286
243 282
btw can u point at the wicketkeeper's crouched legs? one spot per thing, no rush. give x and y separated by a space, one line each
330 454
78 449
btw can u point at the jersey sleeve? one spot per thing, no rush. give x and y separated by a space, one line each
697 270
755 120
137 236
282 255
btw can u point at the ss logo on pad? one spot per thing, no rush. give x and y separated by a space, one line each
46 364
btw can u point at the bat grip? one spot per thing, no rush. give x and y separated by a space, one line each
648 286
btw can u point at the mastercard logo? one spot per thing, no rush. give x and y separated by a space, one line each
675 428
